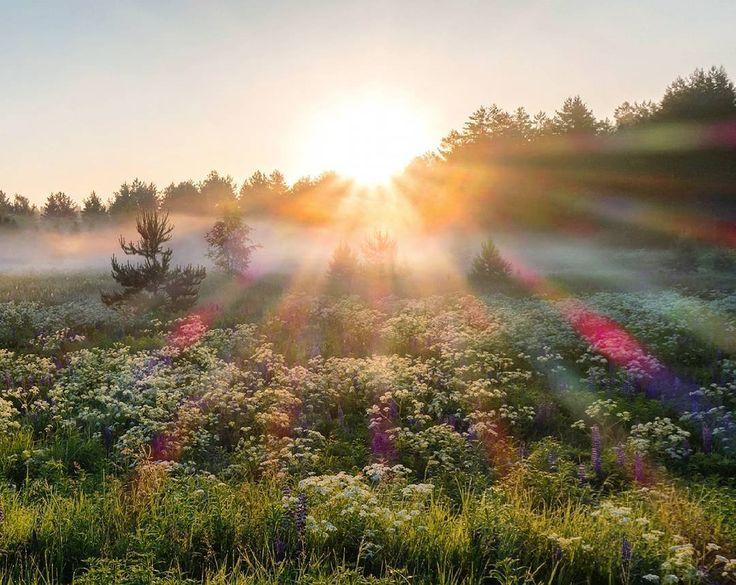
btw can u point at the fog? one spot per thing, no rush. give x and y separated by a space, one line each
287 247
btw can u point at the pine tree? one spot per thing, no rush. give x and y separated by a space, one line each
489 268
93 208
59 206
575 118
153 283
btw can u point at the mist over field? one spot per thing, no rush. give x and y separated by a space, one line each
287 247
367 293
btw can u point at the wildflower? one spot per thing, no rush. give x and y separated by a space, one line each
620 455
279 547
300 514
625 551
638 468
582 473
595 450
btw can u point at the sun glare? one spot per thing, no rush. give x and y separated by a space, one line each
368 139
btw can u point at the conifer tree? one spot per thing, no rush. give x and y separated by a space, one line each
489 267
153 283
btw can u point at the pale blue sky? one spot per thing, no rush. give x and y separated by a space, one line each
93 93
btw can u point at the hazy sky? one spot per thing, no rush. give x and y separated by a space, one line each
93 93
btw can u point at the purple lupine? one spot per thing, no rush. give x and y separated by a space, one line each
452 421
707 439
300 517
381 444
582 473
638 468
341 417
523 451
393 410
471 436
620 455
279 547
595 450
552 460
625 551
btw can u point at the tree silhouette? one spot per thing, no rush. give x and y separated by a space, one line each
230 245
93 208
489 267
701 96
6 207
574 117
218 193
153 282
133 197
22 206
632 114
59 206
183 197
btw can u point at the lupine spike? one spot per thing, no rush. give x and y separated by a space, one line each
625 551
638 468
595 449
620 455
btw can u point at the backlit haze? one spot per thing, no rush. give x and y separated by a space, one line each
98 93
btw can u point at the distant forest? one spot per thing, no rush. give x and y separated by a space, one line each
515 167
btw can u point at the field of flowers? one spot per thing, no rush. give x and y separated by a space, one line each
441 439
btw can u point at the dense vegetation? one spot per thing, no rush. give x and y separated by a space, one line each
369 423
357 438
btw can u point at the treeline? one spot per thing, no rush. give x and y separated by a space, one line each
500 165
215 195
513 166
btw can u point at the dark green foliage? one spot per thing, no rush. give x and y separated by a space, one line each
701 96
59 206
22 206
489 268
134 197
93 208
217 193
153 282
182 197
5 205
629 115
575 117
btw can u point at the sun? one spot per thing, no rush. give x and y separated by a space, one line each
368 138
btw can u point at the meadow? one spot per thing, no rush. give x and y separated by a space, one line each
376 435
